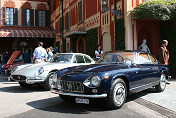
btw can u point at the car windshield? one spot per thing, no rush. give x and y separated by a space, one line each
117 57
62 58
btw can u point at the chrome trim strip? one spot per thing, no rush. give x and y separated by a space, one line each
145 85
79 95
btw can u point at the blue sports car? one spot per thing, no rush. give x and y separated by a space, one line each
116 74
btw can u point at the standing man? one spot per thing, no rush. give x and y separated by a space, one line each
164 53
40 54
26 57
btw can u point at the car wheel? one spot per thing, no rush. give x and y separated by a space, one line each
25 85
66 98
162 83
118 94
49 81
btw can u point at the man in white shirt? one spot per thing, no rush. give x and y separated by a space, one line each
40 54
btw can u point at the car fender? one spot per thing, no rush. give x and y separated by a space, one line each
122 76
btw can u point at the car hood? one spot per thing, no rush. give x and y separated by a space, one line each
30 70
98 67
80 73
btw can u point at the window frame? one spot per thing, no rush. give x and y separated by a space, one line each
79 56
67 22
9 16
80 12
41 18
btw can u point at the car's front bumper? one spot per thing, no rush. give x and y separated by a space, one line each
33 81
28 80
79 95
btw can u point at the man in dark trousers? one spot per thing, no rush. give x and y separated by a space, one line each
164 54
26 57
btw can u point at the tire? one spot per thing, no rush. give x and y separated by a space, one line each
162 83
48 82
25 85
118 93
66 98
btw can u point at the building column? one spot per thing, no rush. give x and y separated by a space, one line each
128 25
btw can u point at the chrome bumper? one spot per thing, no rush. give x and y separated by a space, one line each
79 95
33 81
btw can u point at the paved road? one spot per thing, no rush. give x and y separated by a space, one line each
17 102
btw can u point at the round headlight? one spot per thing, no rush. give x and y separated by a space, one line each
41 70
95 81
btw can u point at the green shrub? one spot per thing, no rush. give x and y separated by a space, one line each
120 35
157 9
91 42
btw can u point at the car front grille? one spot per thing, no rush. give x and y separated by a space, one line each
71 86
18 77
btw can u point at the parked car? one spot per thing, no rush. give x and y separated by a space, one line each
16 67
42 73
6 68
14 60
116 75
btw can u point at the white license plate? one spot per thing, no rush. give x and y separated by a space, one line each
80 100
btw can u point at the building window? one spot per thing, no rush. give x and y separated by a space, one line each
61 25
105 5
41 18
9 16
54 5
67 21
80 12
28 17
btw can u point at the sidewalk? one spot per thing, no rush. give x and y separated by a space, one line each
166 99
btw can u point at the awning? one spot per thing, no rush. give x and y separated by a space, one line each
26 33
76 32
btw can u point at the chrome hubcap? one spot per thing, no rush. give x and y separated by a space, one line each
119 93
163 81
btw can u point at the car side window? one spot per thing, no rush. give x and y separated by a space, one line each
144 59
87 60
80 59
154 61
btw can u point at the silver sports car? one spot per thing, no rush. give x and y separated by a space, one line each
42 73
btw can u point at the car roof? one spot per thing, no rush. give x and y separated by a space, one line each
136 51
70 53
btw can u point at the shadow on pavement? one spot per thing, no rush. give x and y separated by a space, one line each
3 78
141 94
61 106
19 89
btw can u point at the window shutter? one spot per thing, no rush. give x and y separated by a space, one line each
36 18
32 17
24 16
4 16
15 17
47 17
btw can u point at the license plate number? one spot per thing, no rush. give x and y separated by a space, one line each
83 101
